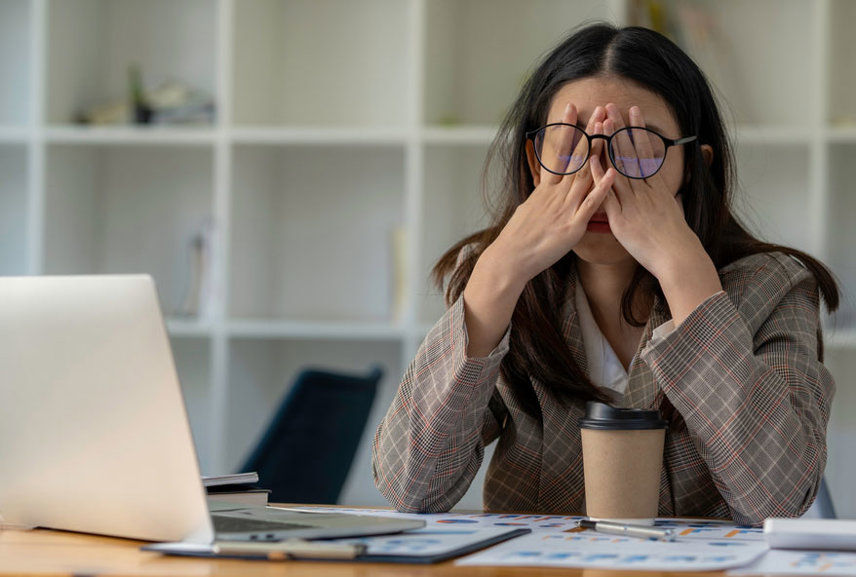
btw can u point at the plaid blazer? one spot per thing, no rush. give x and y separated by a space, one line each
739 382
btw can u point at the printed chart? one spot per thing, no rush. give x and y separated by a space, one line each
557 541
592 550
782 562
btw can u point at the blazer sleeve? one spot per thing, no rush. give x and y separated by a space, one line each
430 445
743 372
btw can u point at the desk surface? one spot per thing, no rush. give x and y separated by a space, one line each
60 553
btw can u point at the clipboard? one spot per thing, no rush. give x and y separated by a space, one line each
421 546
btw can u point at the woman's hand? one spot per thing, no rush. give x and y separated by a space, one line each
647 218
546 226
542 230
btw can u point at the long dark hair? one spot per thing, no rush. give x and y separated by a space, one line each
538 348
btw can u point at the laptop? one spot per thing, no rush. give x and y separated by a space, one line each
94 436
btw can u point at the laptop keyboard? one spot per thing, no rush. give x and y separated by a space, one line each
223 524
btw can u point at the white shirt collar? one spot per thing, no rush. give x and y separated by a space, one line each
604 367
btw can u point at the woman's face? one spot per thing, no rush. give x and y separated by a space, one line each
598 245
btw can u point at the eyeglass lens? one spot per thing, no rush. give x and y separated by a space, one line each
635 152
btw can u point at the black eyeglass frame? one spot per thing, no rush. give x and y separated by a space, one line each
668 142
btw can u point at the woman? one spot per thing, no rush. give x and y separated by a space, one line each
616 271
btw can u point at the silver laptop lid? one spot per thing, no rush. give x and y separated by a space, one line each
93 431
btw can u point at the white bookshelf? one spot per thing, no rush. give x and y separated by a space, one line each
338 123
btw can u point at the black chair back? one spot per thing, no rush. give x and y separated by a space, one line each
307 450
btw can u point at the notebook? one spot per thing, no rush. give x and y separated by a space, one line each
94 435
812 534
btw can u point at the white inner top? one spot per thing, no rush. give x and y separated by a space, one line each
604 367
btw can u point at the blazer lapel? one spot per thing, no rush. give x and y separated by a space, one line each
642 390
562 484
571 327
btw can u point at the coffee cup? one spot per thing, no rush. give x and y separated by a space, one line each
622 460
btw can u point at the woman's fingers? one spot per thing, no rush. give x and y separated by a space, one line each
602 195
557 146
581 180
594 126
647 154
581 149
602 184
606 183
644 144
623 151
623 186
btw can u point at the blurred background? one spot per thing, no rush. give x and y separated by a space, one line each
289 170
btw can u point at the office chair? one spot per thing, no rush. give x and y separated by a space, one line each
306 452
822 508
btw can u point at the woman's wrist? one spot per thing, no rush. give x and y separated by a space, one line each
687 282
500 272
490 297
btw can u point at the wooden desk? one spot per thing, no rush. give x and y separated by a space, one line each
44 552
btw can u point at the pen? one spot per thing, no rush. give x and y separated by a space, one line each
625 530
290 549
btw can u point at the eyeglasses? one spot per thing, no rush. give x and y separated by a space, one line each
634 151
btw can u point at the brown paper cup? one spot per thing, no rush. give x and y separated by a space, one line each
622 465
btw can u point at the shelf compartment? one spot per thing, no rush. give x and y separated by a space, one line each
476 135
188 327
321 62
263 370
757 79
192 363
475 65
13 135
840 465
453 208
315 136
129 209
313 231
122 135
772 197
16 62
842 134
840 232
835 338
772 135
842 77
94 42
14 250
315 330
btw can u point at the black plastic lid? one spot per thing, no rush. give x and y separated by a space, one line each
603 417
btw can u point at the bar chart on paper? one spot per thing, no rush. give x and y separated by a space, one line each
781 562
556 541
591 550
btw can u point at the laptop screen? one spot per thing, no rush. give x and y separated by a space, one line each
94 436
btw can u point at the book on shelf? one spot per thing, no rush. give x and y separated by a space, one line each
230 479
398 239
196 298
237 488
697 29
254 497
